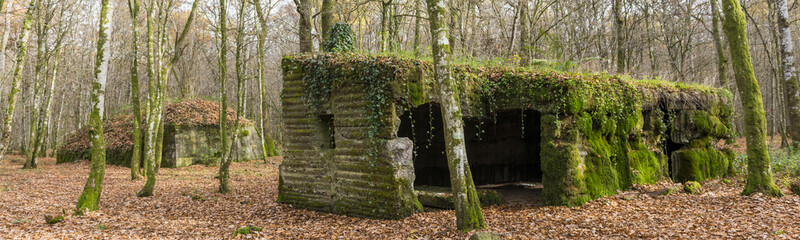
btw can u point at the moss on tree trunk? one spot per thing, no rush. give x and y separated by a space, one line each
16 77
467 205
90 197
759 177
137 112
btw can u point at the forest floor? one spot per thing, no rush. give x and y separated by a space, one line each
186 206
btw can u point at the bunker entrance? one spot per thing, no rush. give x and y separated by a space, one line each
503 150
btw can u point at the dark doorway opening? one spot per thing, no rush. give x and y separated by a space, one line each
502 150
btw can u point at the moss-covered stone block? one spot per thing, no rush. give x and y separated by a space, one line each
692 187
700 163
562 162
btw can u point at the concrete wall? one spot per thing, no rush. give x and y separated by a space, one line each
360 176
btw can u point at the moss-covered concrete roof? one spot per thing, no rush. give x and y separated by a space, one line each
485 89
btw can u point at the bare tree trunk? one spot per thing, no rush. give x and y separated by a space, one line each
326 20
55 137
224 169
417 26
722 61
136 157
304 9
90 197
759 177
153 118
153 147
619 36
267 143
385 24
6 32
467 205
223 101
524 33
36 93
790 83
15 79
43 123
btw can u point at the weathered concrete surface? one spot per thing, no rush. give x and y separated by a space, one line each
185 146
361 132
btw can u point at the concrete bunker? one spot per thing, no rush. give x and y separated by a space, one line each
363 133
191 136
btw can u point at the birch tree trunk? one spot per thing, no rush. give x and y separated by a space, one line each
136 157
16 77
90 197
722 61
467 205
152 103
6 32
790 83
759 177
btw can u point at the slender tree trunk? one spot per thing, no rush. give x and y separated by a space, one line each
224 169
56 141
267 143
136 157
467 205
153 118
385 5
157 69
790 83
223 101
304 9
36 93
6 32
90 197
16 77
722 61
524 33
759 177
620 37
417 26
326 20
513 31
43 122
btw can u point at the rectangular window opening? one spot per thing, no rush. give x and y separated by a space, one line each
326 132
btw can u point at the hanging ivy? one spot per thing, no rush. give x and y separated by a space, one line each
340 39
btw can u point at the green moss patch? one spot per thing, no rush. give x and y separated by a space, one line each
700 163
692 187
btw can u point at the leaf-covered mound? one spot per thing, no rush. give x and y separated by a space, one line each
118 130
